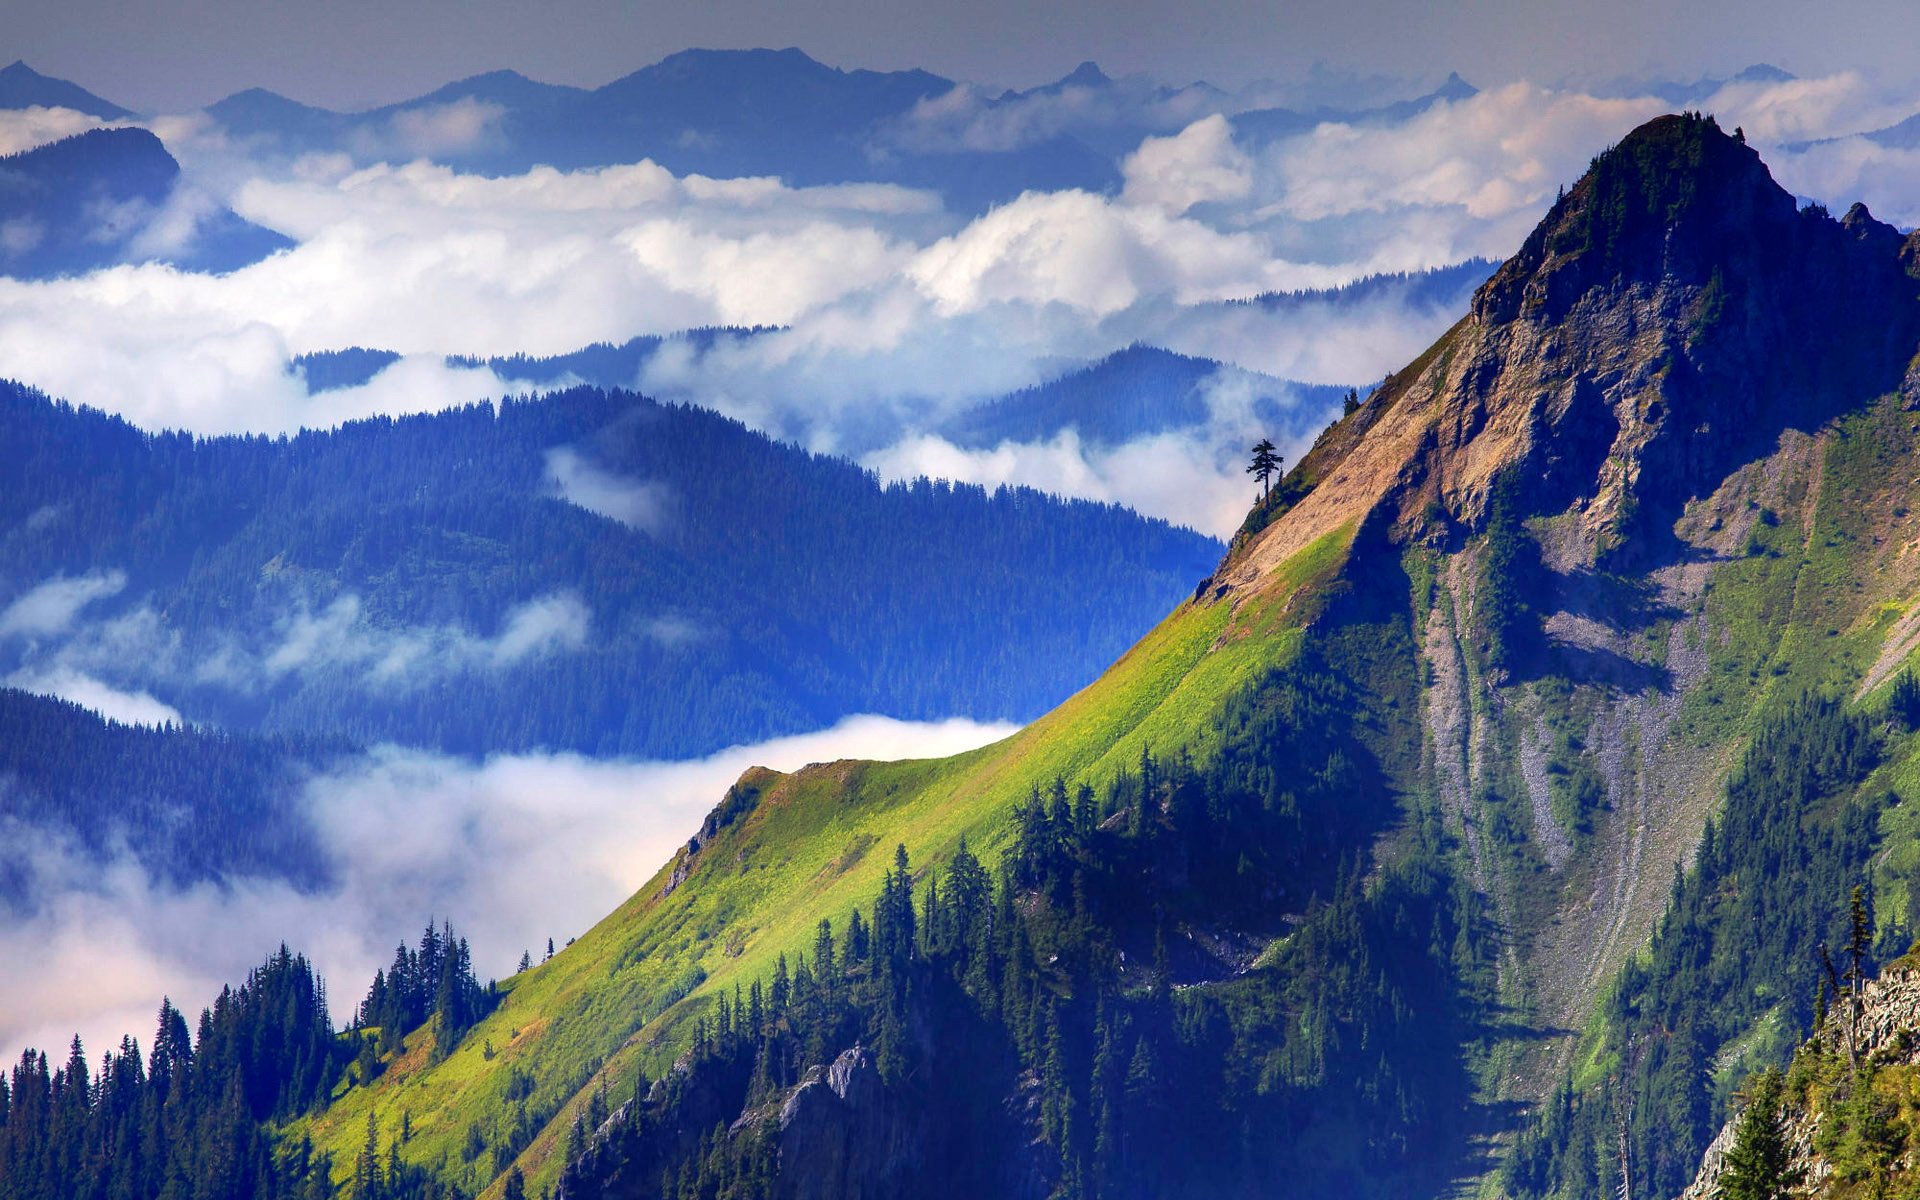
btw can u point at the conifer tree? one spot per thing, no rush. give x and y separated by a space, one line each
1757 1165
366 1168
1265 464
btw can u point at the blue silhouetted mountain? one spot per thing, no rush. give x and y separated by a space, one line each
1680 95
590 571
603 365
95 200
1902 135
711 110
23 87
1138 392
721 113
1084 124
268 116
509 89
1262 125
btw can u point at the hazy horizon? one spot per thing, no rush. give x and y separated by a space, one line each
176 56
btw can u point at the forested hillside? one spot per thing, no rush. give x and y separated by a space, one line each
190 805
102 197
589 571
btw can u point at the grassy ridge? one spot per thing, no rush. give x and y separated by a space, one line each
815 844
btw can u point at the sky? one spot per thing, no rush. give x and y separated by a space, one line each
171 55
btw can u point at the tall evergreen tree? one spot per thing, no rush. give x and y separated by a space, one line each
1266 462
1758 1164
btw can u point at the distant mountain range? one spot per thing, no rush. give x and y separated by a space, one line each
734 113
1135 392
728 113
1260 126
723 114
111 196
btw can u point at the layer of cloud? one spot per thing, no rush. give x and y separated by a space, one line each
114 664
341 638
1193 476
51 607
22 129
432 129
1884 178
115 704
971 119
893 313
1200 164
512 850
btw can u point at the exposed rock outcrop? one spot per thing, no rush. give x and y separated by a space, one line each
1885 1033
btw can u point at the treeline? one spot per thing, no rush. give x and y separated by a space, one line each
756 589
195 1117
1739 940
1098 1020
188 1121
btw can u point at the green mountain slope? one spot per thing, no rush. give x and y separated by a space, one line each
1549 582
618 999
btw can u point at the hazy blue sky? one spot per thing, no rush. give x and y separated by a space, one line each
177 54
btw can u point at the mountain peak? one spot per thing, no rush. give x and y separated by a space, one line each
700 59
1087 74
1763 73
23 87
1670 318
1673 200
133 158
